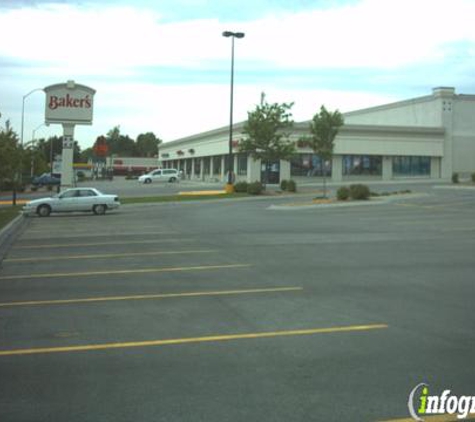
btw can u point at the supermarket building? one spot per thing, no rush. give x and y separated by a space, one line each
428 137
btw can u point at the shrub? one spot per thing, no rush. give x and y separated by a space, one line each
473 177
34 188
283 185
49 188
343 193
359 192
254 188
455 178
292 186
240 187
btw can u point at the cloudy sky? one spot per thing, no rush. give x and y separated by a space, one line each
163 65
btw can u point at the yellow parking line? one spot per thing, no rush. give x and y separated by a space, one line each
82 234
437 418
99 256
189 340
149 296
122 242
122 272
18 202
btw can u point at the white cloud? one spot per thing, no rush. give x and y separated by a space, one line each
373 33
60 42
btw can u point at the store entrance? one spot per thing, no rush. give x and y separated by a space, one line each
270 172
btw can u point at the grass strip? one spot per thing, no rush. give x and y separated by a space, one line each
7 214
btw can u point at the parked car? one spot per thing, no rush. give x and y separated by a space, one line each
160 175
46 179
70 200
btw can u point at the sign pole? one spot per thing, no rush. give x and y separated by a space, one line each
67 171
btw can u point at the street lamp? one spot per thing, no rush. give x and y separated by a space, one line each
233 35
23 111
21 141
33 139
35 129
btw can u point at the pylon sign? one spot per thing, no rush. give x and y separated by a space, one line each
69 103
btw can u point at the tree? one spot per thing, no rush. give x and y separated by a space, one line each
268 129
120 144
323 128
53 146
86 155
147 145
10 156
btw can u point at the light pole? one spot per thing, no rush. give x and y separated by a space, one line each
23 112
35 129
33 141
21 135
233 35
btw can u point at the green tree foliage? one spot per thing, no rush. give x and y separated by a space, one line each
267 131
10 156
121 145
54 145
87 154
147 145
323 129
34 163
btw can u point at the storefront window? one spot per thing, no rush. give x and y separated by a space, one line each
242 164
188 167
411 166
197 166
309 165
217 165
362 165
206 165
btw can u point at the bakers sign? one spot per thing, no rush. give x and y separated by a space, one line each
69 103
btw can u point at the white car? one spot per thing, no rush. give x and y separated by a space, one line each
70 200
161 175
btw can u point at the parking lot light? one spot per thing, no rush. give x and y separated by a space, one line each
229 186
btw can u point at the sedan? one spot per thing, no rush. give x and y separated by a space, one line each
46 179
70 200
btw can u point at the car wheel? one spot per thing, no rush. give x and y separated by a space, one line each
148 181
44 210
172 179
99 209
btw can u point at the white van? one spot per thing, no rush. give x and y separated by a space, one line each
161 175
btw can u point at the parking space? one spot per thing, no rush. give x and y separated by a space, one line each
233 311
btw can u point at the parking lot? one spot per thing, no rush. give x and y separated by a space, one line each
235 310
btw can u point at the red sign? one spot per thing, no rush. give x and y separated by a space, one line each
100 147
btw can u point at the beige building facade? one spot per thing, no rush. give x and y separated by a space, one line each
429 137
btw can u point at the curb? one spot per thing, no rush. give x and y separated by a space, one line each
10 233
370 202
462 187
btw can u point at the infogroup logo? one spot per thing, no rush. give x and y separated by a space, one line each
421 403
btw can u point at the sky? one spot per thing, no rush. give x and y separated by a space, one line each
163 66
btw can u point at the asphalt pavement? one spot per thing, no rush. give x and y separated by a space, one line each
239 311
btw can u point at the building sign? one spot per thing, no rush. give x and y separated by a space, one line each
69 103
